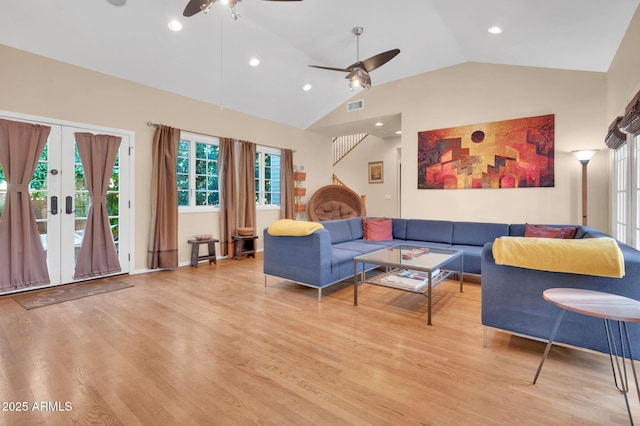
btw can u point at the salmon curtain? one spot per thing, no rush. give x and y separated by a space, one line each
163 235
287 184
247 189
97 256
23 261
226 169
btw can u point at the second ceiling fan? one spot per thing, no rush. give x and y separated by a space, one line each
358 73
196 6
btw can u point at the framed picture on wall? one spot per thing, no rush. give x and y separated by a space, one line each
376 172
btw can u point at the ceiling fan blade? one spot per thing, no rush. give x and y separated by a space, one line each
330 68
380 59
195 6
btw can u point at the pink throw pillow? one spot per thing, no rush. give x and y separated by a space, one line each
541 231
570 232
377 229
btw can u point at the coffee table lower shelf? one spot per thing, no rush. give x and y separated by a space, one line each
401 262
412 285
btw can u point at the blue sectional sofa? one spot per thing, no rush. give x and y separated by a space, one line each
512 298
326 256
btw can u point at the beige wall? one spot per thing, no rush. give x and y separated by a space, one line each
382 199
623 78
38 86
475 93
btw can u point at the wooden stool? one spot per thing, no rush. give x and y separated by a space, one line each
244 244
195 251
609 307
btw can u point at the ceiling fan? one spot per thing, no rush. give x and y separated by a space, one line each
195 6
358 73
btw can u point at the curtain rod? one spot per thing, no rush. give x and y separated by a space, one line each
150 124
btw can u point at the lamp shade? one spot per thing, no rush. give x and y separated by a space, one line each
584 154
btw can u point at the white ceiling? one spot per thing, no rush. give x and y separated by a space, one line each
133 42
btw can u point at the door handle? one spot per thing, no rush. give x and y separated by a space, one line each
54 205
69 205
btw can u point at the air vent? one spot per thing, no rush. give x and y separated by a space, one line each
355 105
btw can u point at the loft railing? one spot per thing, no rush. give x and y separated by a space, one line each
343 145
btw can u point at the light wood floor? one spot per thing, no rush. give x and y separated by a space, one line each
213 346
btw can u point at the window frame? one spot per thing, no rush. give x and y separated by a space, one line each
260 151
193 139
625 190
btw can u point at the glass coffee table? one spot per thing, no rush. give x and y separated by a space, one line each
409 268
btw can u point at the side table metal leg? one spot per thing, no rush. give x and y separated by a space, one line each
546 350
633 365
461 274
429 290
619 366
355 283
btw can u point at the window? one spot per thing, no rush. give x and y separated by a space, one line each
267 177
197 173
626 193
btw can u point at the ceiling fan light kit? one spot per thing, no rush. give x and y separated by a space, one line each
358 73
196 6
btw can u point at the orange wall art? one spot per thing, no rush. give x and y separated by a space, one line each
503 154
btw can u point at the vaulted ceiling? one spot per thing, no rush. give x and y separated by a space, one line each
209 58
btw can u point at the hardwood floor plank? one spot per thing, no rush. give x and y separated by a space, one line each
213 345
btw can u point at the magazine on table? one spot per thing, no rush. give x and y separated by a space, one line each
404 278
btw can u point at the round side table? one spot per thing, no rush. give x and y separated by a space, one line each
609 307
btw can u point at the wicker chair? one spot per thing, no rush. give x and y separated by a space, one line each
335 202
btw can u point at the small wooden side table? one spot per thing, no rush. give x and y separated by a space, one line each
244 244
195 251
609 307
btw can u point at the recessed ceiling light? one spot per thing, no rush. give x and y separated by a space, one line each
495 30
254 62
398 132
306 87
175 25
378 124
117 2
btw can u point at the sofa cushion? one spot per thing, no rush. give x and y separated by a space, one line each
472 257
377 229
400 229
361 246
419 243
478 233
355 226
436 231
339 230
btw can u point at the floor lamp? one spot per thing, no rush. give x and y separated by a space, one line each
584 156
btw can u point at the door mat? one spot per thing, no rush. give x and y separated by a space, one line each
51 296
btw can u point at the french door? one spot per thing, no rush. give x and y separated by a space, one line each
61 201
68 204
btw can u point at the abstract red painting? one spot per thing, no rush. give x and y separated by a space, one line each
503 154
